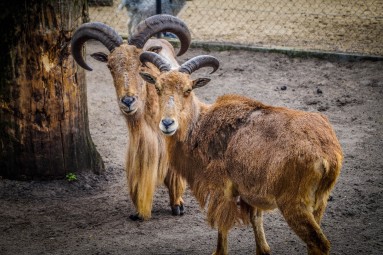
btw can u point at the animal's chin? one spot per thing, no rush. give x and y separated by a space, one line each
168 132
129 112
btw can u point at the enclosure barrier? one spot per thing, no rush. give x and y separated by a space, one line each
341 26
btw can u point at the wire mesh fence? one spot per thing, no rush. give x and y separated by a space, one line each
321 25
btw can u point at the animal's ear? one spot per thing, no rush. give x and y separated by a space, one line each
200 82
155 49
148 77
100 56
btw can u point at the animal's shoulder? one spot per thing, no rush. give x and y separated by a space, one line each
217 125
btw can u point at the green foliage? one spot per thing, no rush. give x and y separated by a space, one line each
71 177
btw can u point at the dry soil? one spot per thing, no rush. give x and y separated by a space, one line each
90 215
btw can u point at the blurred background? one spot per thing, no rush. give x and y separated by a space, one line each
342 26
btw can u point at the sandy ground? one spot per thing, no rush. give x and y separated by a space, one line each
90 216
321 25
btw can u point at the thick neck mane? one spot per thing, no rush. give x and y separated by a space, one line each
147 115
201 146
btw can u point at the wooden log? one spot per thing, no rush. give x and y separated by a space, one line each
44 130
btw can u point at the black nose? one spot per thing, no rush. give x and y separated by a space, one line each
167 122
128 101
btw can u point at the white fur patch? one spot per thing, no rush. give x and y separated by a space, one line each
170 103
126 80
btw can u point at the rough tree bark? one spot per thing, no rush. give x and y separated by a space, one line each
44 130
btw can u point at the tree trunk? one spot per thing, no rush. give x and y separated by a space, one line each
44 131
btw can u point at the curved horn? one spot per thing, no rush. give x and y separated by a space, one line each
198 62
160 62
161 23
93 30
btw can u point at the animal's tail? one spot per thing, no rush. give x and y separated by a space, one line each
330 175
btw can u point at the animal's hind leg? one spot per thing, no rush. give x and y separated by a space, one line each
176 186
256 220
303 223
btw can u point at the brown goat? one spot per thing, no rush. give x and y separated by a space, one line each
146 160
271 157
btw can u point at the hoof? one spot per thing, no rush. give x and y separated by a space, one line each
136 217
176 210
182 209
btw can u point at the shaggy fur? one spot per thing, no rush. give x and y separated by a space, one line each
271 157
146 159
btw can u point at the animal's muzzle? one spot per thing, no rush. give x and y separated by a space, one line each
167 122
128 104
168 126
128 101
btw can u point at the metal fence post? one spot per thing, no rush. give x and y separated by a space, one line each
158 11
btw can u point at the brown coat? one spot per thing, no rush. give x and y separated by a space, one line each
269 157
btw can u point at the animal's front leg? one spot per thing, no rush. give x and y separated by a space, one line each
141 171
256 220
221 243
176 186
136 217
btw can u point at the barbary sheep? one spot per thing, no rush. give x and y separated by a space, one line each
146 159
270 157
139 10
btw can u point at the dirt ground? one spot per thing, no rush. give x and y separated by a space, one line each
90 215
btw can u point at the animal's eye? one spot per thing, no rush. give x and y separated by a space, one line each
187 92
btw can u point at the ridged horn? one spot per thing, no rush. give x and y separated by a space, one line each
97 31
198 62
161 23
160 62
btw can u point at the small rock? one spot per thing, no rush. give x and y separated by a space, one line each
319 91
283 87
323 108
311 101
87 187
